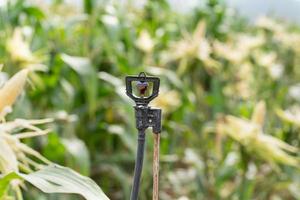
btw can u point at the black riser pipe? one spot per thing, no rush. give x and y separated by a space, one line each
138 165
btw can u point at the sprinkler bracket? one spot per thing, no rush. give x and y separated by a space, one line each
148 117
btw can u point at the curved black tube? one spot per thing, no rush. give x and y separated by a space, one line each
138 165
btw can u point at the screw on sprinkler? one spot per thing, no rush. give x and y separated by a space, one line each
145 117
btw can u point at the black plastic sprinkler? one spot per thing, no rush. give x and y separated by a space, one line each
145 117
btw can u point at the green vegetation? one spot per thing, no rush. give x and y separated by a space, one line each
230 94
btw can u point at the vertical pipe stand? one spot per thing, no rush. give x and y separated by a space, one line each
145 117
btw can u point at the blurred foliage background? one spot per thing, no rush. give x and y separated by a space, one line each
230 92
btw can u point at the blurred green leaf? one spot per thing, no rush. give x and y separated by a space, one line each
79 153
4 182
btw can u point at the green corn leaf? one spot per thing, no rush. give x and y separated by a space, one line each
58 179
4 182
80 157
85 69
80 65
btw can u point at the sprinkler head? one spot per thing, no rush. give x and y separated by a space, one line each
142 85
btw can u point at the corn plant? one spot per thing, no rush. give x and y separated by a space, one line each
19 162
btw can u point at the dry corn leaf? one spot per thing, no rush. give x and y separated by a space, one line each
145 42
250 134
259 113
8 159
291 115
19 48
168 101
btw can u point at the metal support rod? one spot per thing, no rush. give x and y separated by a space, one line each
138 165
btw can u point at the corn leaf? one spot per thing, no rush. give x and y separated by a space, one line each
84 68
4 182
58 179
8 159
80 155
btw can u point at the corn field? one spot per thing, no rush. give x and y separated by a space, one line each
230 96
